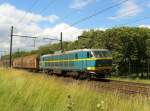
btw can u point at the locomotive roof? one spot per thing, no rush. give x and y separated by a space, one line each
74 51
85 50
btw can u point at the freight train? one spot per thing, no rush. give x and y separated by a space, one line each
78 63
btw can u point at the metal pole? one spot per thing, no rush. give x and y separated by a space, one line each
148 69
11 41
61 42
34 42
129 67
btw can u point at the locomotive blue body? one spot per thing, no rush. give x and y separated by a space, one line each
89 61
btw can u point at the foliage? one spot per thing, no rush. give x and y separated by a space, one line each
130 46
20 91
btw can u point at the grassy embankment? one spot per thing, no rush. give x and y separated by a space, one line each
23 91
138 80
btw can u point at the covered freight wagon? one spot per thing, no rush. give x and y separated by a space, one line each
27 62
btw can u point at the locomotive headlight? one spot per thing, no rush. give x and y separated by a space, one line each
91 68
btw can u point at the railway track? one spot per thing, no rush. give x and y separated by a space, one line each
123 86
115 85
110 85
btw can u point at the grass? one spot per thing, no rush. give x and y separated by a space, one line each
24 91
138 80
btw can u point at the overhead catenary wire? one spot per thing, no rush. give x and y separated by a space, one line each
34 37
128 23
47 6
139 20
101 11
71 13
88 17
96 13
29 10
15 35
130 11
93 14
68 15
44 9
3 51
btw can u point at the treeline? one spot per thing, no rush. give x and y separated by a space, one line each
130 47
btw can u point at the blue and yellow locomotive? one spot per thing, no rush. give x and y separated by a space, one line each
86 62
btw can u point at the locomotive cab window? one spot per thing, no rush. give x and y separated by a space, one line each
89 55
106 53
99 54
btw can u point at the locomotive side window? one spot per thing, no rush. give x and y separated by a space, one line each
76 56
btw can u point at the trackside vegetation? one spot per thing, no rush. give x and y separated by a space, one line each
130 47
24 91
129 79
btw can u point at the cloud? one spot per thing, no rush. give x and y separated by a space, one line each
30 25
70 34
78 4
145 26
148 4
8 11
128 9
51 18
10 15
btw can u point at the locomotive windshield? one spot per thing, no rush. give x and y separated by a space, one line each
101 54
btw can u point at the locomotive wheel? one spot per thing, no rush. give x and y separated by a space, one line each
50 72
64 73
82 75
101 75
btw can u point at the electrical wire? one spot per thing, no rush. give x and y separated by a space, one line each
130 11
29 10
128 23
47 6
96 13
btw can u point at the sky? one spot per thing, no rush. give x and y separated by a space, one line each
47 18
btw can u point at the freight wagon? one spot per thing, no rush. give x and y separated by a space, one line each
27 62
